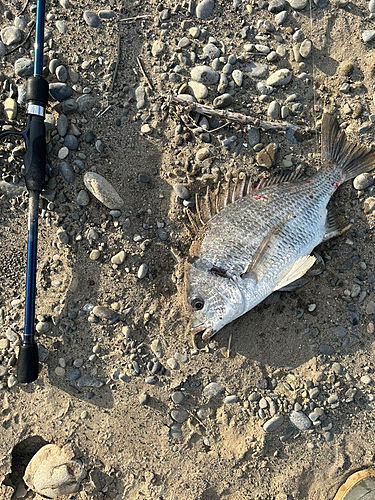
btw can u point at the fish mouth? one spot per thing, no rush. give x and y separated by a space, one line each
203 330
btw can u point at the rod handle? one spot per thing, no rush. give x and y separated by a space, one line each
27 366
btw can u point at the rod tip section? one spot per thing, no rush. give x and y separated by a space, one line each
27 366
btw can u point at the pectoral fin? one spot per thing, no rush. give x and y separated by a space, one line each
299 268
265 253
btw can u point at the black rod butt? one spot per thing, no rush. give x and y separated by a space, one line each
27 366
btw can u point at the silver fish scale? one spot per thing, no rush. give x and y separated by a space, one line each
232 237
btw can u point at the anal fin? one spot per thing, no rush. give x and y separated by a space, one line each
335 225
299 268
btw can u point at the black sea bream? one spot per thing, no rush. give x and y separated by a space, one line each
263 240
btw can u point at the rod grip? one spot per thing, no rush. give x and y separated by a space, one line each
35 157
27 366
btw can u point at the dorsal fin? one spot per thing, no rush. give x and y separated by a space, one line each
235 189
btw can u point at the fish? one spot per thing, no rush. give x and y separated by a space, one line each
255 241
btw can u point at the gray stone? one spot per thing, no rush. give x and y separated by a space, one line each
11 35
103 190
62 125
337 368
74 374
273 110
61 73
305 49
83 198
181 191
300 420
273 423
178 397
363 181
60 91
91 19
106 313
222 101
281 17
211 51
42 326
280 77
213 389
298 4
85 103
276 6
158 48
106 14
231 399
204 9
253 136
367 35
61 27
199 90
237 76
205 75
142 271
179 416
24 67
257 70
339 331
326 349
67 172
89 381
140 97
71 142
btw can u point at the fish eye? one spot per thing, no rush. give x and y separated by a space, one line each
197 303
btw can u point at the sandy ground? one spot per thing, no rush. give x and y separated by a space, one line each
123 431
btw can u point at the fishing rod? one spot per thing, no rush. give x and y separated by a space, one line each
34 159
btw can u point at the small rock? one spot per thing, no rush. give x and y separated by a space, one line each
213 389
368 35
10 108
205 75
119 258
91 19
103 190
106 313
300 420
363 181
204 9
181 191
142 271
231 399
273 424
83 198
280 77
156 348
179 416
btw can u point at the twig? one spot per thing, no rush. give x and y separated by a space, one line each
101 113
23 43
24 8
230 116
131 19
149 83
229 344
117 61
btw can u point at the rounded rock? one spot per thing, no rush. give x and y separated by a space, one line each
205 75
181 191
280 77
91 19
363 181
67 172
204 9
300 420
11 35
103 190
273 424
119 258
83 198
142 271
179 416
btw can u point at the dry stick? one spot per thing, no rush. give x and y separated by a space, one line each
149 83
131 19
227 115
117 61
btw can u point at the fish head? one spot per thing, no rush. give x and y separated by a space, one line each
213 301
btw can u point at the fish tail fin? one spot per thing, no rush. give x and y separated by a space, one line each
351 158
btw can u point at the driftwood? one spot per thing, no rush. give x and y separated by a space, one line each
230 116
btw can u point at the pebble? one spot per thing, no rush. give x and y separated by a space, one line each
237 76
140 97
172 363
280 77
83 198
305 49
273 110
106 313
71 142
143 399
23 67
199 90
257 70
204 9
211 51
91 19
213 389
205 75
231 399
89 381
11 35
74 374
366 379
370 307
253 136
337 368
10 108
273 423
60 91
67 172
181 191
178 397
363 181
179 416
142 271
152 380
300 420
60 371
103 190
156 348
94 254
368 35
119 258
42 326
339 331
281 17
369 205
326 349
